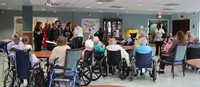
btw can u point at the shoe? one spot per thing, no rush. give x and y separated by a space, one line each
161 72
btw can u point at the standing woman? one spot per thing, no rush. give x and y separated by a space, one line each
158 38
67 32
38 36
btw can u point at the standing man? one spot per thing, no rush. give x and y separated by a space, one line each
60 30
77 37
159 38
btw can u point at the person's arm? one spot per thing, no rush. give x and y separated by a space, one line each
173 47
99 49
53 56
74 34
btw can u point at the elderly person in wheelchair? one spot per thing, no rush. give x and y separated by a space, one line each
143 59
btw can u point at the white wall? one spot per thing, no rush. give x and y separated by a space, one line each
194 20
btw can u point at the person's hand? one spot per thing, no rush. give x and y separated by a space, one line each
70 39
103 46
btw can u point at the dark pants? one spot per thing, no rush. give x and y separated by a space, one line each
77 42
158 47
38 44
167 58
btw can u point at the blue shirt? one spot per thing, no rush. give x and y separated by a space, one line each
142 49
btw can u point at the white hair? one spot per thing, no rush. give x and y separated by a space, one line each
112 41
96 40
89 44
143 41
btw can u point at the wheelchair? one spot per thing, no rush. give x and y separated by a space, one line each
20 69
143 61
113 61
75 73
96 67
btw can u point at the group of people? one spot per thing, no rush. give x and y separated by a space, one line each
72 33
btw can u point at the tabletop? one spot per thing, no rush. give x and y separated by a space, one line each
128 47
42 54
194 63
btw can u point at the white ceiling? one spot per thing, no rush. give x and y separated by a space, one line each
128 6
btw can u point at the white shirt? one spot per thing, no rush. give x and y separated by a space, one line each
124 54
158 34
78 31
59 52
12 44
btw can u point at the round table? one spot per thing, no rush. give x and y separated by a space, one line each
42 54
128 48
194 62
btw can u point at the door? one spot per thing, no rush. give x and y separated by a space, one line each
180 25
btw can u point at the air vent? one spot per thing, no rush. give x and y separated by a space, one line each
167 9
171 4
104 0
116 7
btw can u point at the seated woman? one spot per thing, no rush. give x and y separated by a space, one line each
128 41
88 47
195 44
25 41
59 52
167 46
142 47
98 49
180 40
114 47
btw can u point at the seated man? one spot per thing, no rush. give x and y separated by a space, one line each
114 47
195 44
98 49
59 52
128 41
142 47
15 43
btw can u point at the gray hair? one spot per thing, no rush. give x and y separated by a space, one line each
143 41
196 40
112 41
25 39
89 44
96 40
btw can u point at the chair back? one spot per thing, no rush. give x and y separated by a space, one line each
143 60
88 57
72 57
113 57
22 62
180 52
193 53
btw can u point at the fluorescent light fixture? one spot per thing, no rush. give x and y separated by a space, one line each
121 8
3 3
43 9
73 10
138 5
126 11
99 2
88 7
9 8
100 11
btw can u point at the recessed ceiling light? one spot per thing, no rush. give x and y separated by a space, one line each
99 2
88 7
43 9
73 10
100 11
121 8
126 11
138 4
3 3
9 8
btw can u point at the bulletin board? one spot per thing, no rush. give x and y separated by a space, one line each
90 25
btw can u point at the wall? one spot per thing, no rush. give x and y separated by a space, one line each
194 21
130 21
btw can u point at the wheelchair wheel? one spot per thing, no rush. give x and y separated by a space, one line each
122 69
96 70
154 70
37 78
10 78
104 67
134 71
85 74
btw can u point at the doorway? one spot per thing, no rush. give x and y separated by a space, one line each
180 25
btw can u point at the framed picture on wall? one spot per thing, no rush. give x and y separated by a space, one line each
90 25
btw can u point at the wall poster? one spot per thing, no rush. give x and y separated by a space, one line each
90 25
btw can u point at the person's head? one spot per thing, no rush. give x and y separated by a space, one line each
188 33
96 40
25 39
181 37
112 41
72 25
128 36
67 26
89 44
57 23
142 34
38 25
158 26
170 35
100 29
61 41
143 41
196 40
54 26
16 38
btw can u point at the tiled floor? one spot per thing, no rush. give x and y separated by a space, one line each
192 79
